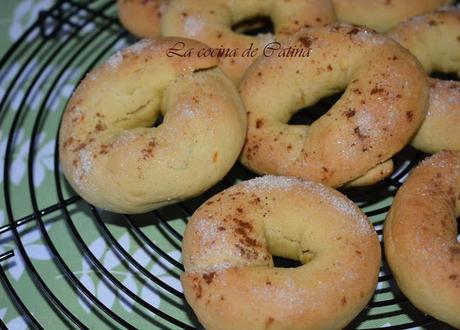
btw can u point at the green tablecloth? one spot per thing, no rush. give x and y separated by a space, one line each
46 88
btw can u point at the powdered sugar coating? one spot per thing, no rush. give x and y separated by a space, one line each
444 95
455 7
92 76
361 34
193 26
207 232
187 111
369 36
266 38
86 158
206 227
140 46
442 160
415 21
272 182
339 202
115 60
287 294
86 163
124 138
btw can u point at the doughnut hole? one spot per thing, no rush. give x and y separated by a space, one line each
158 121
254 26
450 76
458 230
308 115
280 262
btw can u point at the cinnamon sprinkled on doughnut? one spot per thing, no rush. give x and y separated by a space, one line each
410 115
306 41
259 123
350 113
209 277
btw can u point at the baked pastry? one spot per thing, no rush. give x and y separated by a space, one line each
382 15
420 237
142 17
116 160
435 40
384 103
230 280
211 22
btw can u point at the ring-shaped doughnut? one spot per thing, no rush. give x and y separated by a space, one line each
142 17
116 160
212 24
435 40
420 236
384 103
230 280
382 15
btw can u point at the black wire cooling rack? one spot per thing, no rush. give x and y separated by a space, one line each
82 34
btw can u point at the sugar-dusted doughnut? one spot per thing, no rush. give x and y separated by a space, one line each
435 40
382 15
384 103
116 160
230 280
142 17
420 237
211 22
441 128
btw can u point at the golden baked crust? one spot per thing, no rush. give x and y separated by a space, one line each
383 105
382 15
229 278
113 157
434 40
142 17
420 237
211 23
441 127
